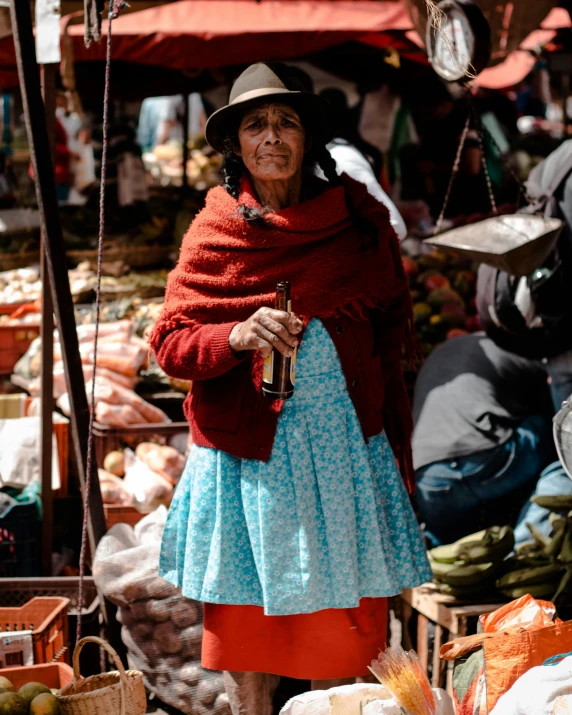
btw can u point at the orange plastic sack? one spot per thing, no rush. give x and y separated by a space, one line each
525 612
509 657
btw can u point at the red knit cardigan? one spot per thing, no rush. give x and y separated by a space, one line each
226 408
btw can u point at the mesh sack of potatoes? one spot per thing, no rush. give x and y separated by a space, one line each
161 629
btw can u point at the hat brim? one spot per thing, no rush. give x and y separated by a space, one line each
313 111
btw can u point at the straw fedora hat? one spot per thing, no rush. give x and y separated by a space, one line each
263 83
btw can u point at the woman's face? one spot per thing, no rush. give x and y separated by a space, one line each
272 142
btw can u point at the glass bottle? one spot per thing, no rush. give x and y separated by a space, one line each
279 373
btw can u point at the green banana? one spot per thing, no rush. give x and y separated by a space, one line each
440 569
518 563
538 590
566 551
541 539
449 553
530 576
496 545
554 548
556 521
529 548
554 503
471 574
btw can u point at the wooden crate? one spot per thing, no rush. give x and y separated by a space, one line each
451 620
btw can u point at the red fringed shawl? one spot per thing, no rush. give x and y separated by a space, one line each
229 268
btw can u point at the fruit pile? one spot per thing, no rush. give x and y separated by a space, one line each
443 289
31 699
468 569
483 565
543 566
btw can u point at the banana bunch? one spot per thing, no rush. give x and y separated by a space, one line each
469 568
479 565
543 566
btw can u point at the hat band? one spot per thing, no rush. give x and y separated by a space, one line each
255 93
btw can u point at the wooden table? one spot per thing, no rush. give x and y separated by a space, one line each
450 618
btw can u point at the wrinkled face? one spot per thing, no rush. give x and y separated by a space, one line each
272 142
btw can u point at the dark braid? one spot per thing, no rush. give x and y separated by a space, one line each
368 230
232 173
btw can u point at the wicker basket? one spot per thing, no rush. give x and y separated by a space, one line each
115 693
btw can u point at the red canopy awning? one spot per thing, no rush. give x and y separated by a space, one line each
193 34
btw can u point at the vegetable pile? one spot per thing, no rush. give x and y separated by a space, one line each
443 289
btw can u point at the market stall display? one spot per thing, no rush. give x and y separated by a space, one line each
164 165
161 629
443 289
513 639
481 566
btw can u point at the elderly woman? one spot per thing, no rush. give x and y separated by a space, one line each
291 522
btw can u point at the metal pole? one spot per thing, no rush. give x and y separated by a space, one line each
55 256
47 370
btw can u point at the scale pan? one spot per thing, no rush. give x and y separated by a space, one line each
516 243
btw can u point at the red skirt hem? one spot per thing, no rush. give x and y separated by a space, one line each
335 643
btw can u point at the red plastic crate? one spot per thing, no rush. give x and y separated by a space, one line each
52 675
48 617
14 341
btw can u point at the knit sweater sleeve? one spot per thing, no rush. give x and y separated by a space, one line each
196 352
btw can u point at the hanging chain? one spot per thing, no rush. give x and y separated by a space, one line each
454 173
115 6
505 161
480 135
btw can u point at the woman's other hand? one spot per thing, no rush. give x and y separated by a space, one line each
267 329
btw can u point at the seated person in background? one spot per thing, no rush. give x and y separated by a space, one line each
355 157
482 436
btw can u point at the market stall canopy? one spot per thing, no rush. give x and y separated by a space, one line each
192 34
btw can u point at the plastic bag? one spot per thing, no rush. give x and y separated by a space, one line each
401 673
113 490
525 612
148 488
359 699
124 358
34 386
115 415
166 461
544 690
114 394
501 656
161 629
119 330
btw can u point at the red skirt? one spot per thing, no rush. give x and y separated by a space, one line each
335 643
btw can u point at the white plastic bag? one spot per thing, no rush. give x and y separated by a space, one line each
149 489
544 690
360 699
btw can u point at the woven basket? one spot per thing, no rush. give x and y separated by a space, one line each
115 693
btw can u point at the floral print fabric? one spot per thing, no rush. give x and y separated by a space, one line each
325 522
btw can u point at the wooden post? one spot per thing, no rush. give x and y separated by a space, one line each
47 369
55 256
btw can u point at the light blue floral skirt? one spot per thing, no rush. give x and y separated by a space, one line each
325 522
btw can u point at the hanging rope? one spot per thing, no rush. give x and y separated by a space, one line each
115 6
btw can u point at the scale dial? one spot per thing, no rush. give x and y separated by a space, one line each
461 47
